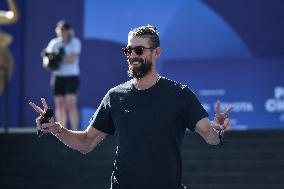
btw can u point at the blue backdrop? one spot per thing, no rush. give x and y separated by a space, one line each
221 50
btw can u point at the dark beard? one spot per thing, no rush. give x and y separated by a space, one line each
142 70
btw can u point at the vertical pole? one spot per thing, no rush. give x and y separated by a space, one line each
5 107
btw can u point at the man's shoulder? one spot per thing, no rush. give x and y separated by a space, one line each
173 84
121 88
175 88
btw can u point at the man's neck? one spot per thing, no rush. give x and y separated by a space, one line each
147 81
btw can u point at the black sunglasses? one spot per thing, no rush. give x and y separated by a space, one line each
139 50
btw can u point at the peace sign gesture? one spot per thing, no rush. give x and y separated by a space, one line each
221 121
38 109
45 121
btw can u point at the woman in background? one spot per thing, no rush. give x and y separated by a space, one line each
65 79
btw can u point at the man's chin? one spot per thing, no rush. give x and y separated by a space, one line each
135 75
135 69
138 71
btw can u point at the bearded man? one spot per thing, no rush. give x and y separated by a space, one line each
149 115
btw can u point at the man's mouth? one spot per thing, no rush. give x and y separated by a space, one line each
136 63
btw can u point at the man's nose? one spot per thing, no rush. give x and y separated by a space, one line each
133 54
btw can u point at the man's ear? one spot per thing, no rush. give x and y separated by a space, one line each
158 52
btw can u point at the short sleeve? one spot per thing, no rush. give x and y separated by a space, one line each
102 119
193 110
76 46
52 46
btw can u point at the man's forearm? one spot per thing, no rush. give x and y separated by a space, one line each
77 140
205 129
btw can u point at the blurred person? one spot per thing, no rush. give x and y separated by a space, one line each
66 49
7 17
149 115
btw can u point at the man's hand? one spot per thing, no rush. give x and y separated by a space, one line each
38 109
213 130
221 121
51 126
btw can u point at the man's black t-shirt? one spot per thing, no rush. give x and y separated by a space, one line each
150 126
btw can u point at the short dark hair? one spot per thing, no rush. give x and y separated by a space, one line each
64 25
147 31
